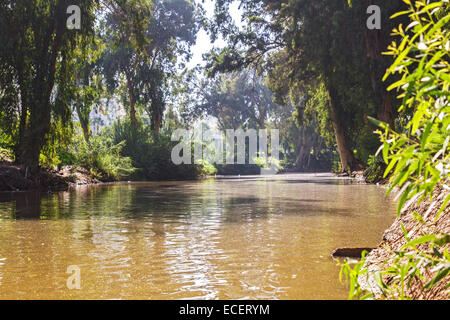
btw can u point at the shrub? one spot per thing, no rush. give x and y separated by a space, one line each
375 169
270 162
103 158
151 154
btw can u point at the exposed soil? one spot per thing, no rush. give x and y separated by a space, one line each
393 240
17 178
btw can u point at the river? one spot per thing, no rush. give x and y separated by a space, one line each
236 238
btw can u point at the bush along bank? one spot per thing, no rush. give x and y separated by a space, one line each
116 153
413 262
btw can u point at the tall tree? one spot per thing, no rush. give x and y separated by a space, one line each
89 86
124 34
315 42
147 63
37 51
237 100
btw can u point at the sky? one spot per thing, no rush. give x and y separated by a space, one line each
204 44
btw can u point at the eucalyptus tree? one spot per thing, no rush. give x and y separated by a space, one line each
145 64
37 64
89 86
308 44
242 100
236 100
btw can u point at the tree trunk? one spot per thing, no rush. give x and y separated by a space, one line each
22 130
132 104
299 163
158 124
84 124
348 160
34 137
262 121
304 145
375 45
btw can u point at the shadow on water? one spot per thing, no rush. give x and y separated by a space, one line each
166 203
21 205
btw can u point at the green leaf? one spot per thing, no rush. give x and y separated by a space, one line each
377 123
444 206
385 152
424 239
443 240
389 167
403 199
401 13
440 275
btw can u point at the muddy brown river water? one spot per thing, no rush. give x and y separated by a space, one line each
236 238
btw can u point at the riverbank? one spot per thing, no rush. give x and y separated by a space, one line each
15 177
393 240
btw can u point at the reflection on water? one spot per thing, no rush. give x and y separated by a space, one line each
248 238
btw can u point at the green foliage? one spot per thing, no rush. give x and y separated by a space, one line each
47 71
418 158
312 117
37 65
139 67
66 158
316 112
207 169
103 158
236 100
315 51
351 275
151 154
58 139
409 266
375 169
241 100
271 162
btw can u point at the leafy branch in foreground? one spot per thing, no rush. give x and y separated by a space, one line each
418 157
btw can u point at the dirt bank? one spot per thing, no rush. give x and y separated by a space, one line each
17 178
393 240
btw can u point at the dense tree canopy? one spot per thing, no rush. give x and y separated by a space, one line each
304 45
145 67
131 48
38 55
310 68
